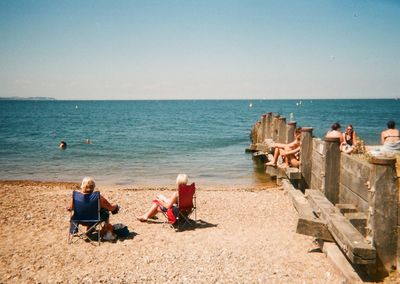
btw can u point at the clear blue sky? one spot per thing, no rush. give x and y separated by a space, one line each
200 49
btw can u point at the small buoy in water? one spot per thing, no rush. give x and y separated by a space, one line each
76 106
87 141
297 104
250 105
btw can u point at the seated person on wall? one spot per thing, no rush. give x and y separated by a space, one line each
290 152
349 139
335 132
87 187
290 158
162 204
390 138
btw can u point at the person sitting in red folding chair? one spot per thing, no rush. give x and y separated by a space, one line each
165 205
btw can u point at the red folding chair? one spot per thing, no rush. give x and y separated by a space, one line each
186 205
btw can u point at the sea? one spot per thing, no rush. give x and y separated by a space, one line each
148 142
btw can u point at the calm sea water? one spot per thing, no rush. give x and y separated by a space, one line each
149 142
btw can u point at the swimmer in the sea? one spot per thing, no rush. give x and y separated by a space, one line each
63 145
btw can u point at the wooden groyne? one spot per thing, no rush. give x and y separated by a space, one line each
350 200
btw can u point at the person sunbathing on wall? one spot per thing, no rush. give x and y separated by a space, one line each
390 138
349 139
335 132
162 204
291 158
290 152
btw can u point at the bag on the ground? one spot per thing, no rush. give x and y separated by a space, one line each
121 230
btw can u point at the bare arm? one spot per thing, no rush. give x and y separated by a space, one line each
279 145
173 200
107 205
290 152
70 206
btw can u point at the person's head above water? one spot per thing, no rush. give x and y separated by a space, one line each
63 145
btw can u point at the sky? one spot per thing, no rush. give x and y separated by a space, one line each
268 49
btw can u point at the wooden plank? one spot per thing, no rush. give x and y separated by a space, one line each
332 169
346 208
352 243
359 221
308 223
293 173
271 171
263 147
318 146
340 261
306 151
356 183
355 174
282 130
351 161
318 169
317 159
348 196
316 181
384 212
251 148
290 131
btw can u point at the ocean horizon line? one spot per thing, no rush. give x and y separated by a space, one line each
51 99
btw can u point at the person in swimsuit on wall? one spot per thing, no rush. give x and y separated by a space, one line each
335 132
349 139
390 138
290 152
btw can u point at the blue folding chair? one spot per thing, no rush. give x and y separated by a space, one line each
86 212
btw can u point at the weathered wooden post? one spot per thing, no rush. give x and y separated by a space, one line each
268 125
282 130
332 169
382 225
258 129
253 135
274 128
318 165
263 127
290 131
305 155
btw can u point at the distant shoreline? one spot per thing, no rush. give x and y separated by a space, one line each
27 99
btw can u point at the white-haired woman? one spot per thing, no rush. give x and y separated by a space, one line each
161 203
87 187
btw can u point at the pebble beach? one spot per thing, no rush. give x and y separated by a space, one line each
244 235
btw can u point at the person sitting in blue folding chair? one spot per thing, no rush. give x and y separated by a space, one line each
90 209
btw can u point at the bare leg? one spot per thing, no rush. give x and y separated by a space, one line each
285 163
273 161
152 211
294 162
